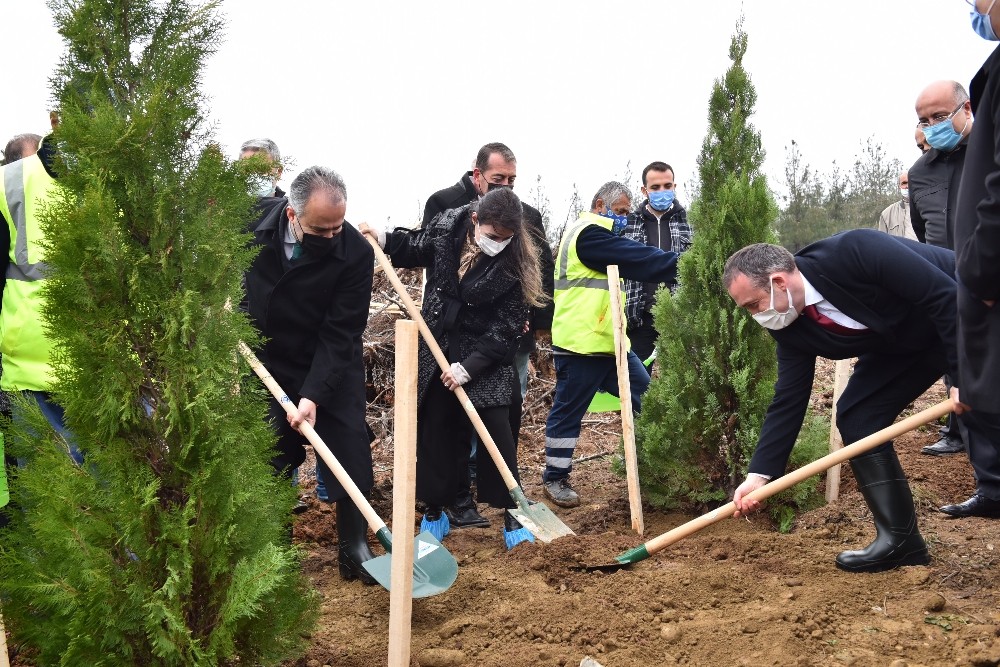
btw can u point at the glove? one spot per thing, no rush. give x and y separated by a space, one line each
461 375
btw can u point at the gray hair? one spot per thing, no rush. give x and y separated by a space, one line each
262 146
19 145
312 180
757 262
610 192
961 96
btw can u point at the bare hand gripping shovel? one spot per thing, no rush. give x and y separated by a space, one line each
537 518
434 568
661 542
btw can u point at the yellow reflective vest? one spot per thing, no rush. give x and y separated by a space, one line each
582 319
23 340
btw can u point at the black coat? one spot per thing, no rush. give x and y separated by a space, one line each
476 322
977 244
312 314
464 192
901 290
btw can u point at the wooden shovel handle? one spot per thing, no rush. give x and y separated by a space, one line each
791 479
463 398
306 429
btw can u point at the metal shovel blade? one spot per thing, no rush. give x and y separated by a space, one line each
540 521
434 568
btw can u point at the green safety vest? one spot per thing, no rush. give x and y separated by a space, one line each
582 319
23 340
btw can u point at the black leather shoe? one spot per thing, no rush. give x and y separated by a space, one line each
466 516
944 447
300 507
977 505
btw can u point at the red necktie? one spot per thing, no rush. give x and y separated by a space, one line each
828 324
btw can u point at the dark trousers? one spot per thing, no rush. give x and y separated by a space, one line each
643 337
578 377
881 387
444 433
983 432
344 432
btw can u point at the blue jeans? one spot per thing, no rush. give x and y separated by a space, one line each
578 377
54 415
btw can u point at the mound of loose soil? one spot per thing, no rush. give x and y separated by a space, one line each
737 593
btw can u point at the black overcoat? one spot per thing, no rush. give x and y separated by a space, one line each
477 321
312 313
977 247
904 293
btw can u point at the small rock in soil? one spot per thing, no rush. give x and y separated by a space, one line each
934 602
440 657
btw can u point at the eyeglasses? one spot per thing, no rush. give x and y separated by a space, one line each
939 118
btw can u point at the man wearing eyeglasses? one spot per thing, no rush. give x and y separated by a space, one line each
945 117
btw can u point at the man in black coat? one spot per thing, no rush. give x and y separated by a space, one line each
496 167
944 116
308 292
977 247
888 301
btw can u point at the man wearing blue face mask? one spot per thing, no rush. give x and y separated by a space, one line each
977 249
660 222
582 334
886 300
945 117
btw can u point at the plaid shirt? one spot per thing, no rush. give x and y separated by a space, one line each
639 299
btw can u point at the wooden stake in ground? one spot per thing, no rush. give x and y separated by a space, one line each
840 377
4 658
625 396
404 480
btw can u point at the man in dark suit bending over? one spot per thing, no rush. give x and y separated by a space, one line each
888 301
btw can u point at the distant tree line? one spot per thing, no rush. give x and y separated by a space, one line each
816 204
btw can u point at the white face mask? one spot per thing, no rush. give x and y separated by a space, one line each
772 319
904 193
489 246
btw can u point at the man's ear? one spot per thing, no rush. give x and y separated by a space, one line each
599 205
780 281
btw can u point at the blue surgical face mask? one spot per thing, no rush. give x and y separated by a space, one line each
620 221
661 200
943 136
981 23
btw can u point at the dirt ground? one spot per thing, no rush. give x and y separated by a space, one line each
737 593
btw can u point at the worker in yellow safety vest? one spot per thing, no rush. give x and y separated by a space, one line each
583 345
27 184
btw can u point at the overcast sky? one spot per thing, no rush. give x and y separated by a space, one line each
398 96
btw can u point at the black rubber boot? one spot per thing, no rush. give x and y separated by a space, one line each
463 512
352 531
897 542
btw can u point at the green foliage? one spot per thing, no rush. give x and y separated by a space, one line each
702 415
818 206
169 547
812 443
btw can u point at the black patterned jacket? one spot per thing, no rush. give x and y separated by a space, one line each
477 321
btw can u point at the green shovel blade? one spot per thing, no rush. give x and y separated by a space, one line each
434 568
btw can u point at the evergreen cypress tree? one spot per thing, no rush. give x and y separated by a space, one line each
701 416
169 546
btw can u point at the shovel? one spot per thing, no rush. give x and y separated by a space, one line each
536 518
434 568
661 542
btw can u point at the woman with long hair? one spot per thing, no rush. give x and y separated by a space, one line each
482 275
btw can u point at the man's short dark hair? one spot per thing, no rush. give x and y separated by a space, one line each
18 146
483 157
757 262
655 166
